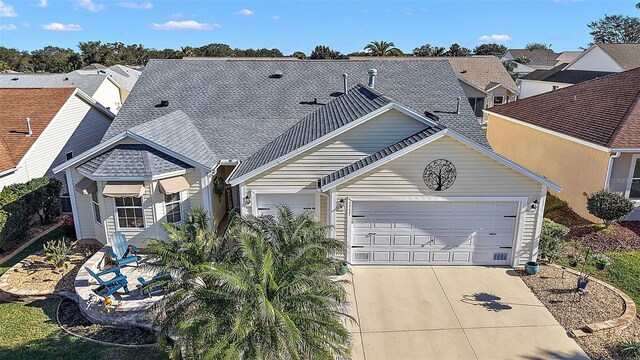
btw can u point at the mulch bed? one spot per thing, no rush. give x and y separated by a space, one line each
71 319
572 311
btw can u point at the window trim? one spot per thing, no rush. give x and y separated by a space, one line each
179 202
498 96
117 219
93 207
630 178
476 99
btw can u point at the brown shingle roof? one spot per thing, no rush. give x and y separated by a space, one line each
604 111
626 55
39 105
544 57
481 71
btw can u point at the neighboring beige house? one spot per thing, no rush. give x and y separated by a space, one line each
403 180
597 61
585 137
539 59
101 86
43 128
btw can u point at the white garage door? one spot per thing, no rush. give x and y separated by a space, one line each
267 203
433 233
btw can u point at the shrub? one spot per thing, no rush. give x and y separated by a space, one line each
554 203
551 243
58 252
629 350
20 203
609 206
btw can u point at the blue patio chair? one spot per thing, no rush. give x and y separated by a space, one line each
154 286
112 285
122 252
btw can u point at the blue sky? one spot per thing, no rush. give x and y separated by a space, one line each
300 25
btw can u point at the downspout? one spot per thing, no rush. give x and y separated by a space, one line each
610 169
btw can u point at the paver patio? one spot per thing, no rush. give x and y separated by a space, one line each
451 313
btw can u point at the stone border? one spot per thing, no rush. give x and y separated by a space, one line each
621 322
25 245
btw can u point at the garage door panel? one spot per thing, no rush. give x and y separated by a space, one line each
450 232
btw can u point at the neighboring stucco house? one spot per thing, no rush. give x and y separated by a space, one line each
597 61
102 87
584 137
62 123
399 167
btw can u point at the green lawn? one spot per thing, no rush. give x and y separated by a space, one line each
36 246
30 332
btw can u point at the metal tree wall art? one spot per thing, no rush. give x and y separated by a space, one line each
439 175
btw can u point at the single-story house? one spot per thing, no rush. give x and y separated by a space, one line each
543 59
585 137
542 81
125 76
102 87
43 128
384 152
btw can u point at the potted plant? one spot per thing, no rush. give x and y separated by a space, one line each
602 261
583 281
574 258
342 268
531 267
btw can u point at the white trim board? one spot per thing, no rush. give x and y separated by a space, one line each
448 132
334 133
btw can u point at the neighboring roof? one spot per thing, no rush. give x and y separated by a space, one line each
539 57
567 56
94 66
132 161
482 71
238 106
356 103
88 83
564 76
626 55
39 105
603 111
125 76
379 155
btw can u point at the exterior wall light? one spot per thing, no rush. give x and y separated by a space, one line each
247 199
341 204
534 205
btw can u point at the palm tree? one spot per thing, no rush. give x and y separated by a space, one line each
382 48
439 51
638 6
261 292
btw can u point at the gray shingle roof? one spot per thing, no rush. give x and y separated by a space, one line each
131 160
124 76
88 83
238 106
176 132
356 103
564 76
379 155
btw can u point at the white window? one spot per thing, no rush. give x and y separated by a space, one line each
130 213
497 100
633 186
173 207
96 209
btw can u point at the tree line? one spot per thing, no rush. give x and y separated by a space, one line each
53 59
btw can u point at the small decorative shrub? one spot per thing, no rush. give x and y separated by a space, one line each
574 258
551 243
68 227
629 350
58 252
609 206
602 261
554 203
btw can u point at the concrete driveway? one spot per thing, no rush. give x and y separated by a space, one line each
451 313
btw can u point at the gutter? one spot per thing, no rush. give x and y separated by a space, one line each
610 169
8 171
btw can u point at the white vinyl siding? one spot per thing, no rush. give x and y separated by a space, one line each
477 176
302 171
108 95
76 128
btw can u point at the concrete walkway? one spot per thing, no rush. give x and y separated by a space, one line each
451 313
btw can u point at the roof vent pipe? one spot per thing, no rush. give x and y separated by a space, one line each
458 106
344 80
29 131
372 77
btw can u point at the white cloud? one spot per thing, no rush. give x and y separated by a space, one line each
43 3
6 10
275 17
54 26
8 27
245 12
89 5
185 25
136 5
495 38
176 15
